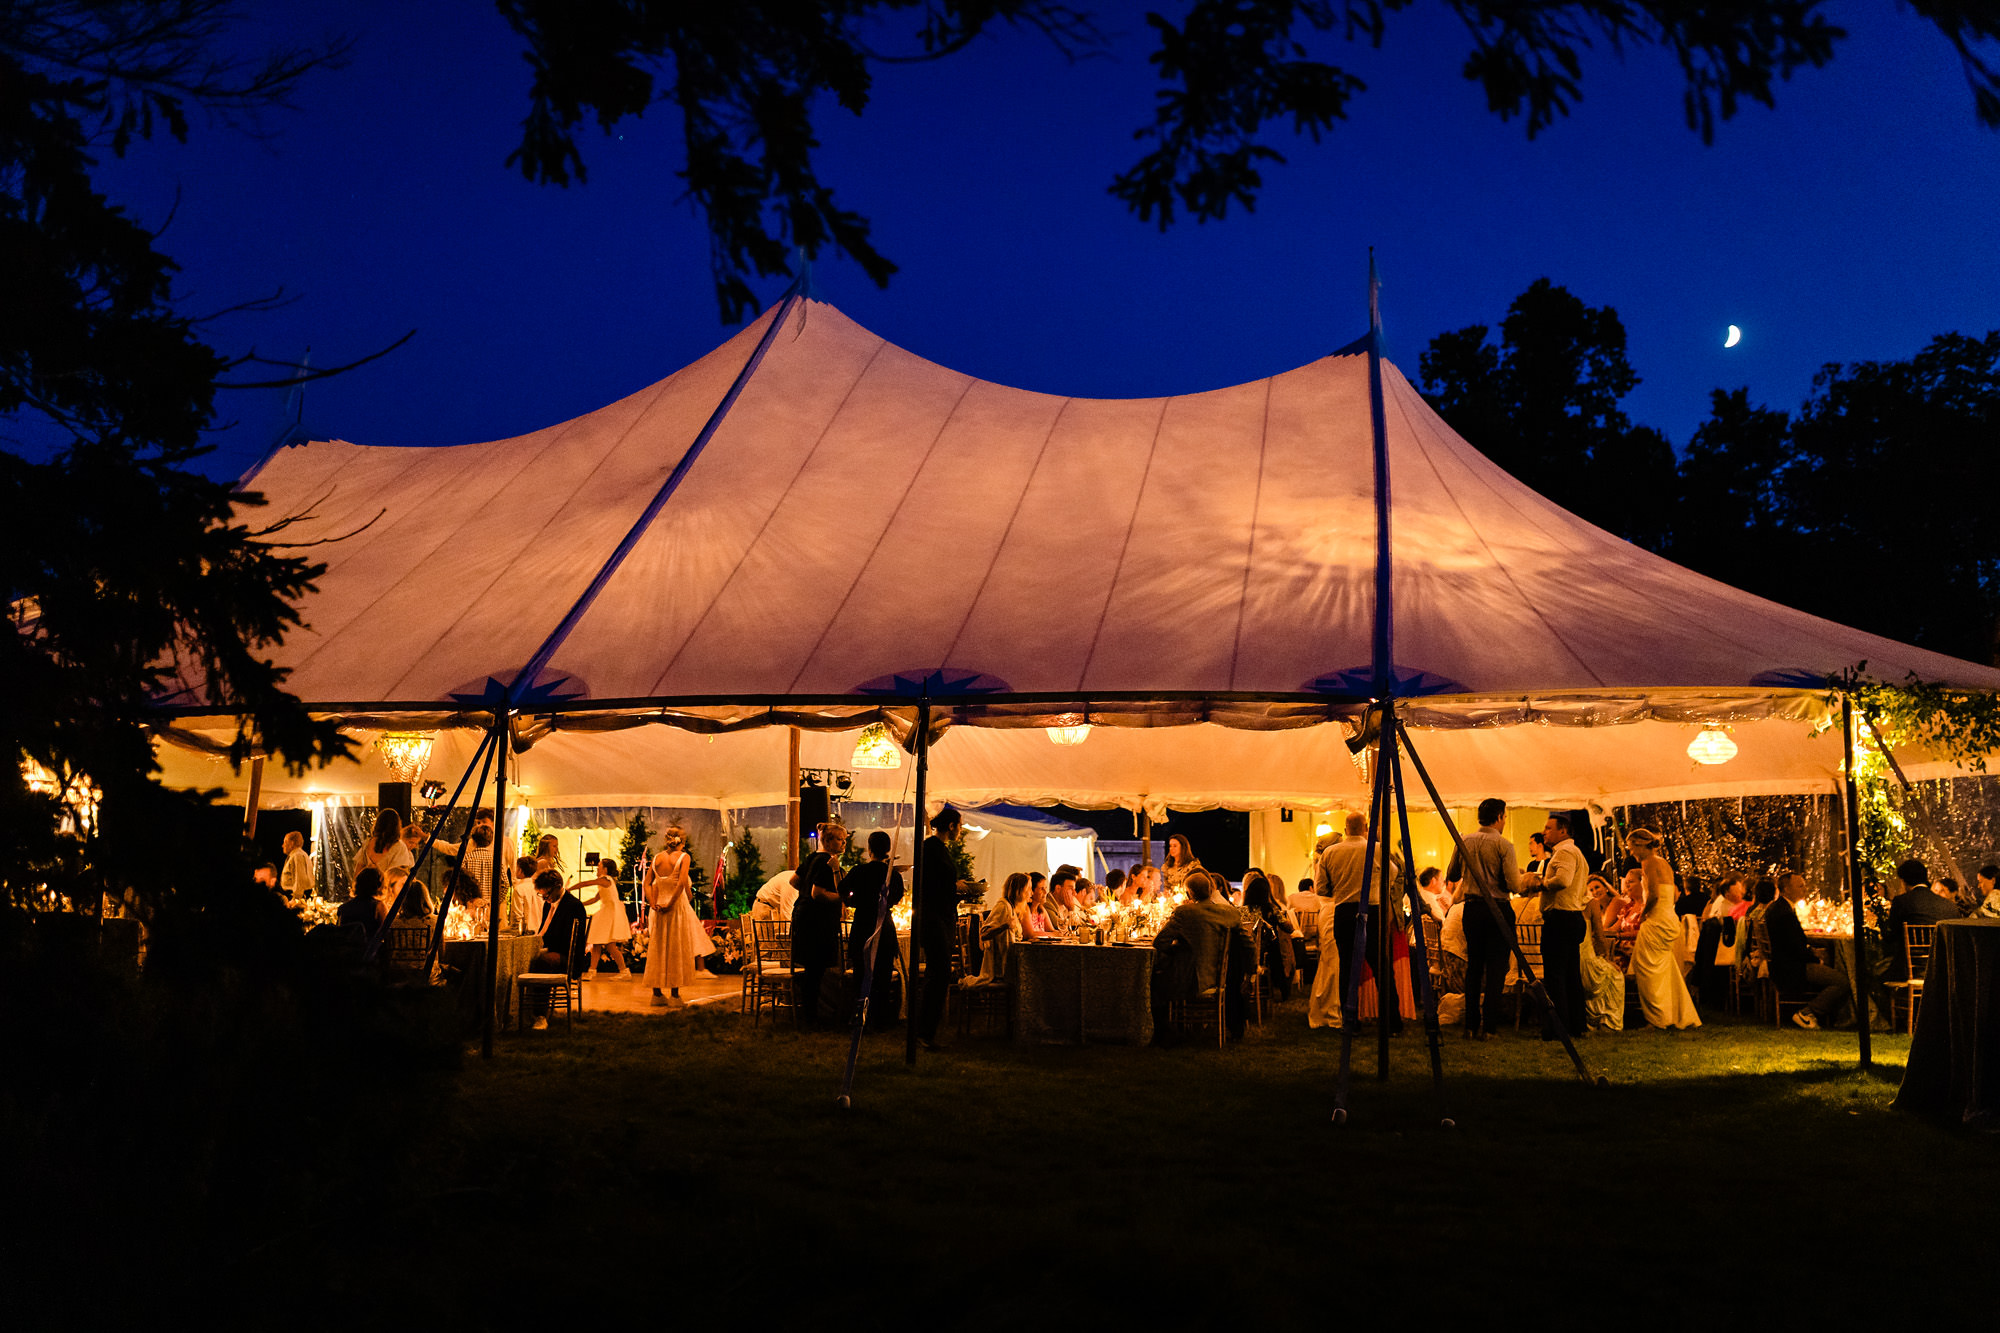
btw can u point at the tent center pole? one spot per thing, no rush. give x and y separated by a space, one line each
1862 999
792 830
918 952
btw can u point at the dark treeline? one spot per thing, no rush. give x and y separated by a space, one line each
1870 504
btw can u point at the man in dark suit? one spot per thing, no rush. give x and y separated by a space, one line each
1793 965
1205 943
562 912
1916 904
937 909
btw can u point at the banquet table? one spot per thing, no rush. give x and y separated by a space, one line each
517 952
1954 1066
1082 993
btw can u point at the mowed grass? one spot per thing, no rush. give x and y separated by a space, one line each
1734 1173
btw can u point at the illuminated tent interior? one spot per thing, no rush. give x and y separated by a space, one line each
812 527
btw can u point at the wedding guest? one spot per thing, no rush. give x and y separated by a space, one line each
411 899
1692 900
525 908
297 879
775 898
1663 992
413 839
1989 891
1213 955
1347 872
937 912
1915 902
1431 885
1114 887
1000 931
1065 909
1486 869
862 890
816 918
1304 906
1603 983
384 850
548 855
1034 917
1451 943
1733 901
477 858
1181 862
675 940
562 916
365 908
266 876
609 926
1794 967
1538 854
1145 883
1280 960
1564 879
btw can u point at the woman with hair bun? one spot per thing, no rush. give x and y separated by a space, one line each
1663 992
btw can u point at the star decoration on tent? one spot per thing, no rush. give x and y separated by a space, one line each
1408 682
494 694
941 681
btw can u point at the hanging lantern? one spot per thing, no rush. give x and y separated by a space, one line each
1713 746
1070 729
406 754
875 749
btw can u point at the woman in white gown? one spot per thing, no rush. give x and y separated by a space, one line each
1603 983
677 938
1663 992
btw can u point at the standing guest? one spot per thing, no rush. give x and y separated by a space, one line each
296 879
1431 885
477 859
1989 891
524 901
1538 854
1215 955
816 917
1915 903
1280 959
609 926
1663 992
365 908
861 889
775 899
1603 983
1564 878
1181 862
675 938
938 910
1486 869
1346 866
562 917
1793 965
384 850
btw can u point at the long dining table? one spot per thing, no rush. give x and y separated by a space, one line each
1082 993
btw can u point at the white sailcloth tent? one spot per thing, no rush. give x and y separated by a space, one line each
813 527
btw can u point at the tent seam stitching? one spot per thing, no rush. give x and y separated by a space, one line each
1125 546
1250 554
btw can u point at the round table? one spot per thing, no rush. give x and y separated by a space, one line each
1953 1072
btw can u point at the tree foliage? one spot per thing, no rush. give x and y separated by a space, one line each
746 80
132 577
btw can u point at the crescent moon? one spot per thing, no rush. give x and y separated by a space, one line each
1735 336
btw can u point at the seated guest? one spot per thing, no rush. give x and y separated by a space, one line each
1603 983
1033 915
1431 885
1280 960
1693 899
1451 943
266 876
364 909
562 914
1915 902
413 897
1065 909
999 932
1733 901
1794 966
525 908
1145 883
1114 888
1304 907
1989 891
1212 946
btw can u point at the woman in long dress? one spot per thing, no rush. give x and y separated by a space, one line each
1663 992
608 927
676 937
1603 983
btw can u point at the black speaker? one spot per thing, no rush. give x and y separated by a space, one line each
394 796
813 808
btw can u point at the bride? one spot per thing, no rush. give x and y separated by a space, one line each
1663 993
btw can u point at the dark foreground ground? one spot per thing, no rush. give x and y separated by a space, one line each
662 1173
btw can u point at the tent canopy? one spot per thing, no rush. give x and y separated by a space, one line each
812 526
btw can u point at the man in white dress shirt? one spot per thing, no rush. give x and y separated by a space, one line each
1564 877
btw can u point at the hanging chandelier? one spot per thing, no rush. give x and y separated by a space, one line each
406 754
1070 729
875 749
1712 746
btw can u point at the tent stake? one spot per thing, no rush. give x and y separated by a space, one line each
917 951
1862 999
1520 957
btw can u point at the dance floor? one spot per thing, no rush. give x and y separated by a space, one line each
611 995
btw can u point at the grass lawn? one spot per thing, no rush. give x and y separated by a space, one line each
1733 1173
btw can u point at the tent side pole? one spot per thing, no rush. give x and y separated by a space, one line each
1145 829
792 829
1861 997
1352 958
917 950
501 859
256 794
1420 966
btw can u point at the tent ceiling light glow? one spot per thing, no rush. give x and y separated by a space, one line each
874 749
1070 729
1712 746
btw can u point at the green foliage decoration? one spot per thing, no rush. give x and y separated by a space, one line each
740 885
632 849
1962 726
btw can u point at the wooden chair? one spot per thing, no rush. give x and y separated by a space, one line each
1770 999
976 998
407 949
1917 943
1211 998
564 989
1434 951
1530 937
775 985
1257 990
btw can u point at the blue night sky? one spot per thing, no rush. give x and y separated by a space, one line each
1854 222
